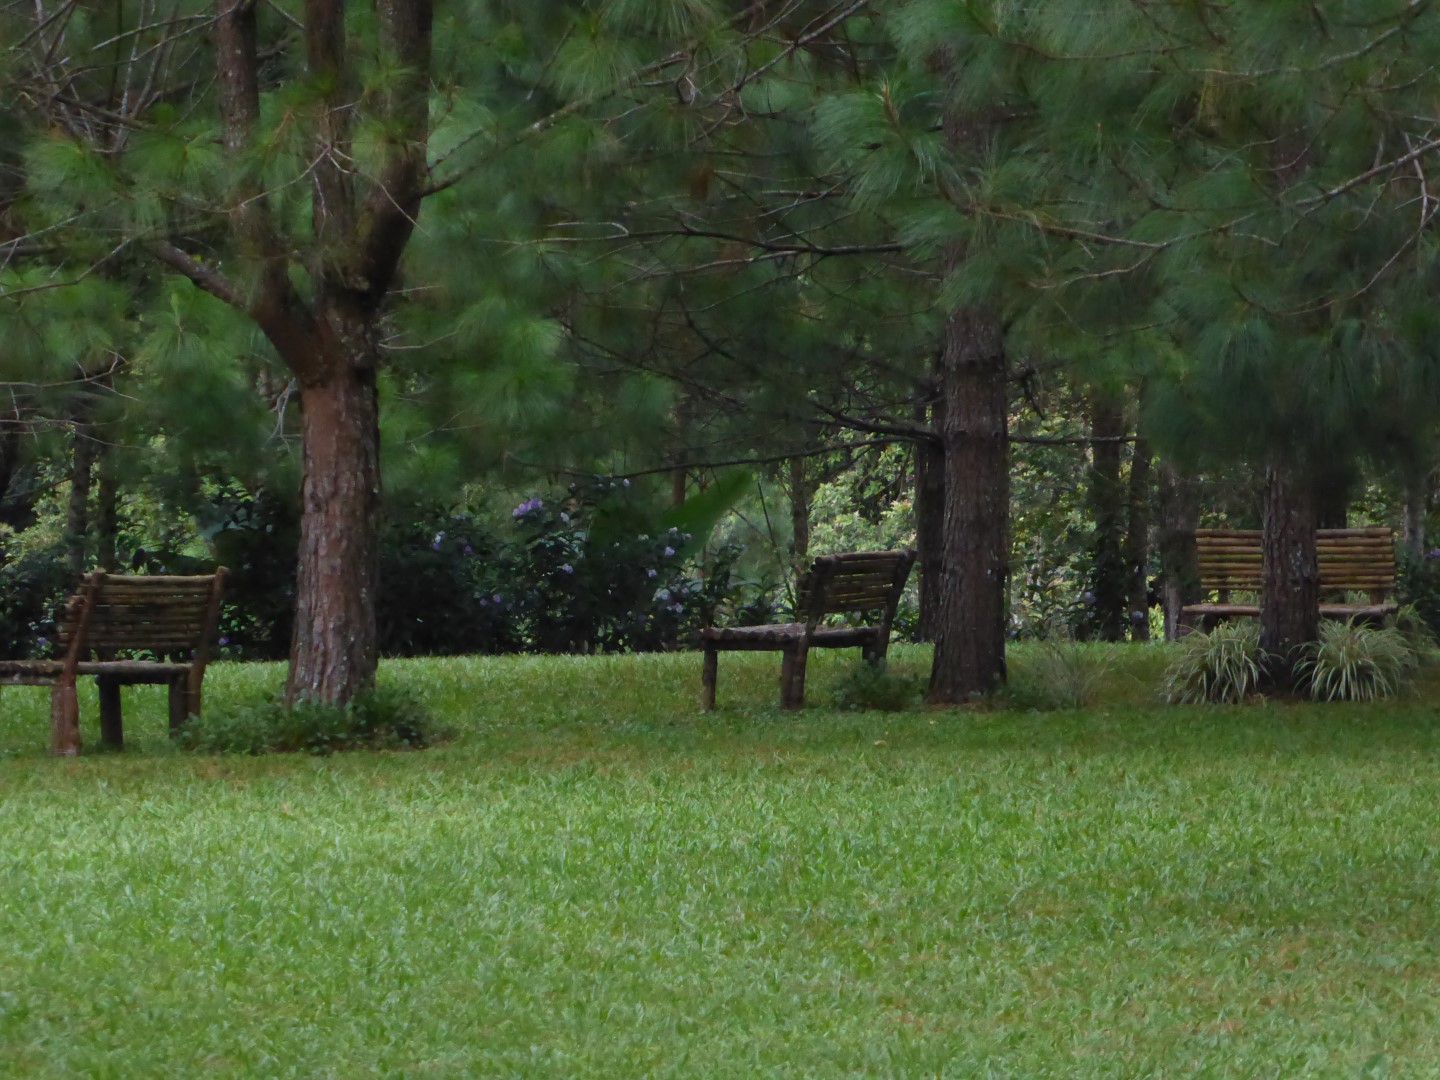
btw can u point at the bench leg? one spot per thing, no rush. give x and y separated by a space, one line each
709 673
112 724
179 705
792 677
64 719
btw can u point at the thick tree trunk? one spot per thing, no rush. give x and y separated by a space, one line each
1290 577
930 526
333 652
77 511
1137 543
970 630
1108 578
1179 517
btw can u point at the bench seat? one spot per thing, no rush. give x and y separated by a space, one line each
174 617
768 638
860 582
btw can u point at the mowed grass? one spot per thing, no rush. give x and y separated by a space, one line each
594 879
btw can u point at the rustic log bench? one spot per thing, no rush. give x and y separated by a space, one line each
865 581
1350 561
173 617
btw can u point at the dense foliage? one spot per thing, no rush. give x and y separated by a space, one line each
577 239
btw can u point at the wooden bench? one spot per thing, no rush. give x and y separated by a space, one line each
172 617
866 581
1350 561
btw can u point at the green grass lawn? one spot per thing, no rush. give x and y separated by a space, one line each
594 879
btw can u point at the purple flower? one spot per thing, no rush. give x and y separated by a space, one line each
669 551
469 550
650 571
223 640
625 483
1433 553
496 598
567 568
677 608
484 602
435 544
564 517
526 507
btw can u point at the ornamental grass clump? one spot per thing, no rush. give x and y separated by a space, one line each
1220 666
1062 673
1354 662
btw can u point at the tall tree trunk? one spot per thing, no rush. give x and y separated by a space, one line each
333 652
107 511
1179 517
77 512
800 492
970 631
930 526
1290 577
1108 578
1137 543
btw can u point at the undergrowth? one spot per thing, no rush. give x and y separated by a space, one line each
385 718
1353 662
1221 665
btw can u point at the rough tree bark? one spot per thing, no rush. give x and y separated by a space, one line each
1179 517
1137 542
1108 578
970 630
1290 577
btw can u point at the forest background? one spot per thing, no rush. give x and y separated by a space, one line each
567 326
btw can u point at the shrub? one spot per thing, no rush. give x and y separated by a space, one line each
1415 629
31 588
1354 662
1418 586
383 719
1221 665
874 688
1063 673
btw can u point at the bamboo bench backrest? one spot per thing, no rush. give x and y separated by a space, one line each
161 614
1350 560
856 581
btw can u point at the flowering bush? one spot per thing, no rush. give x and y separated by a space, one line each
596 578
588 571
